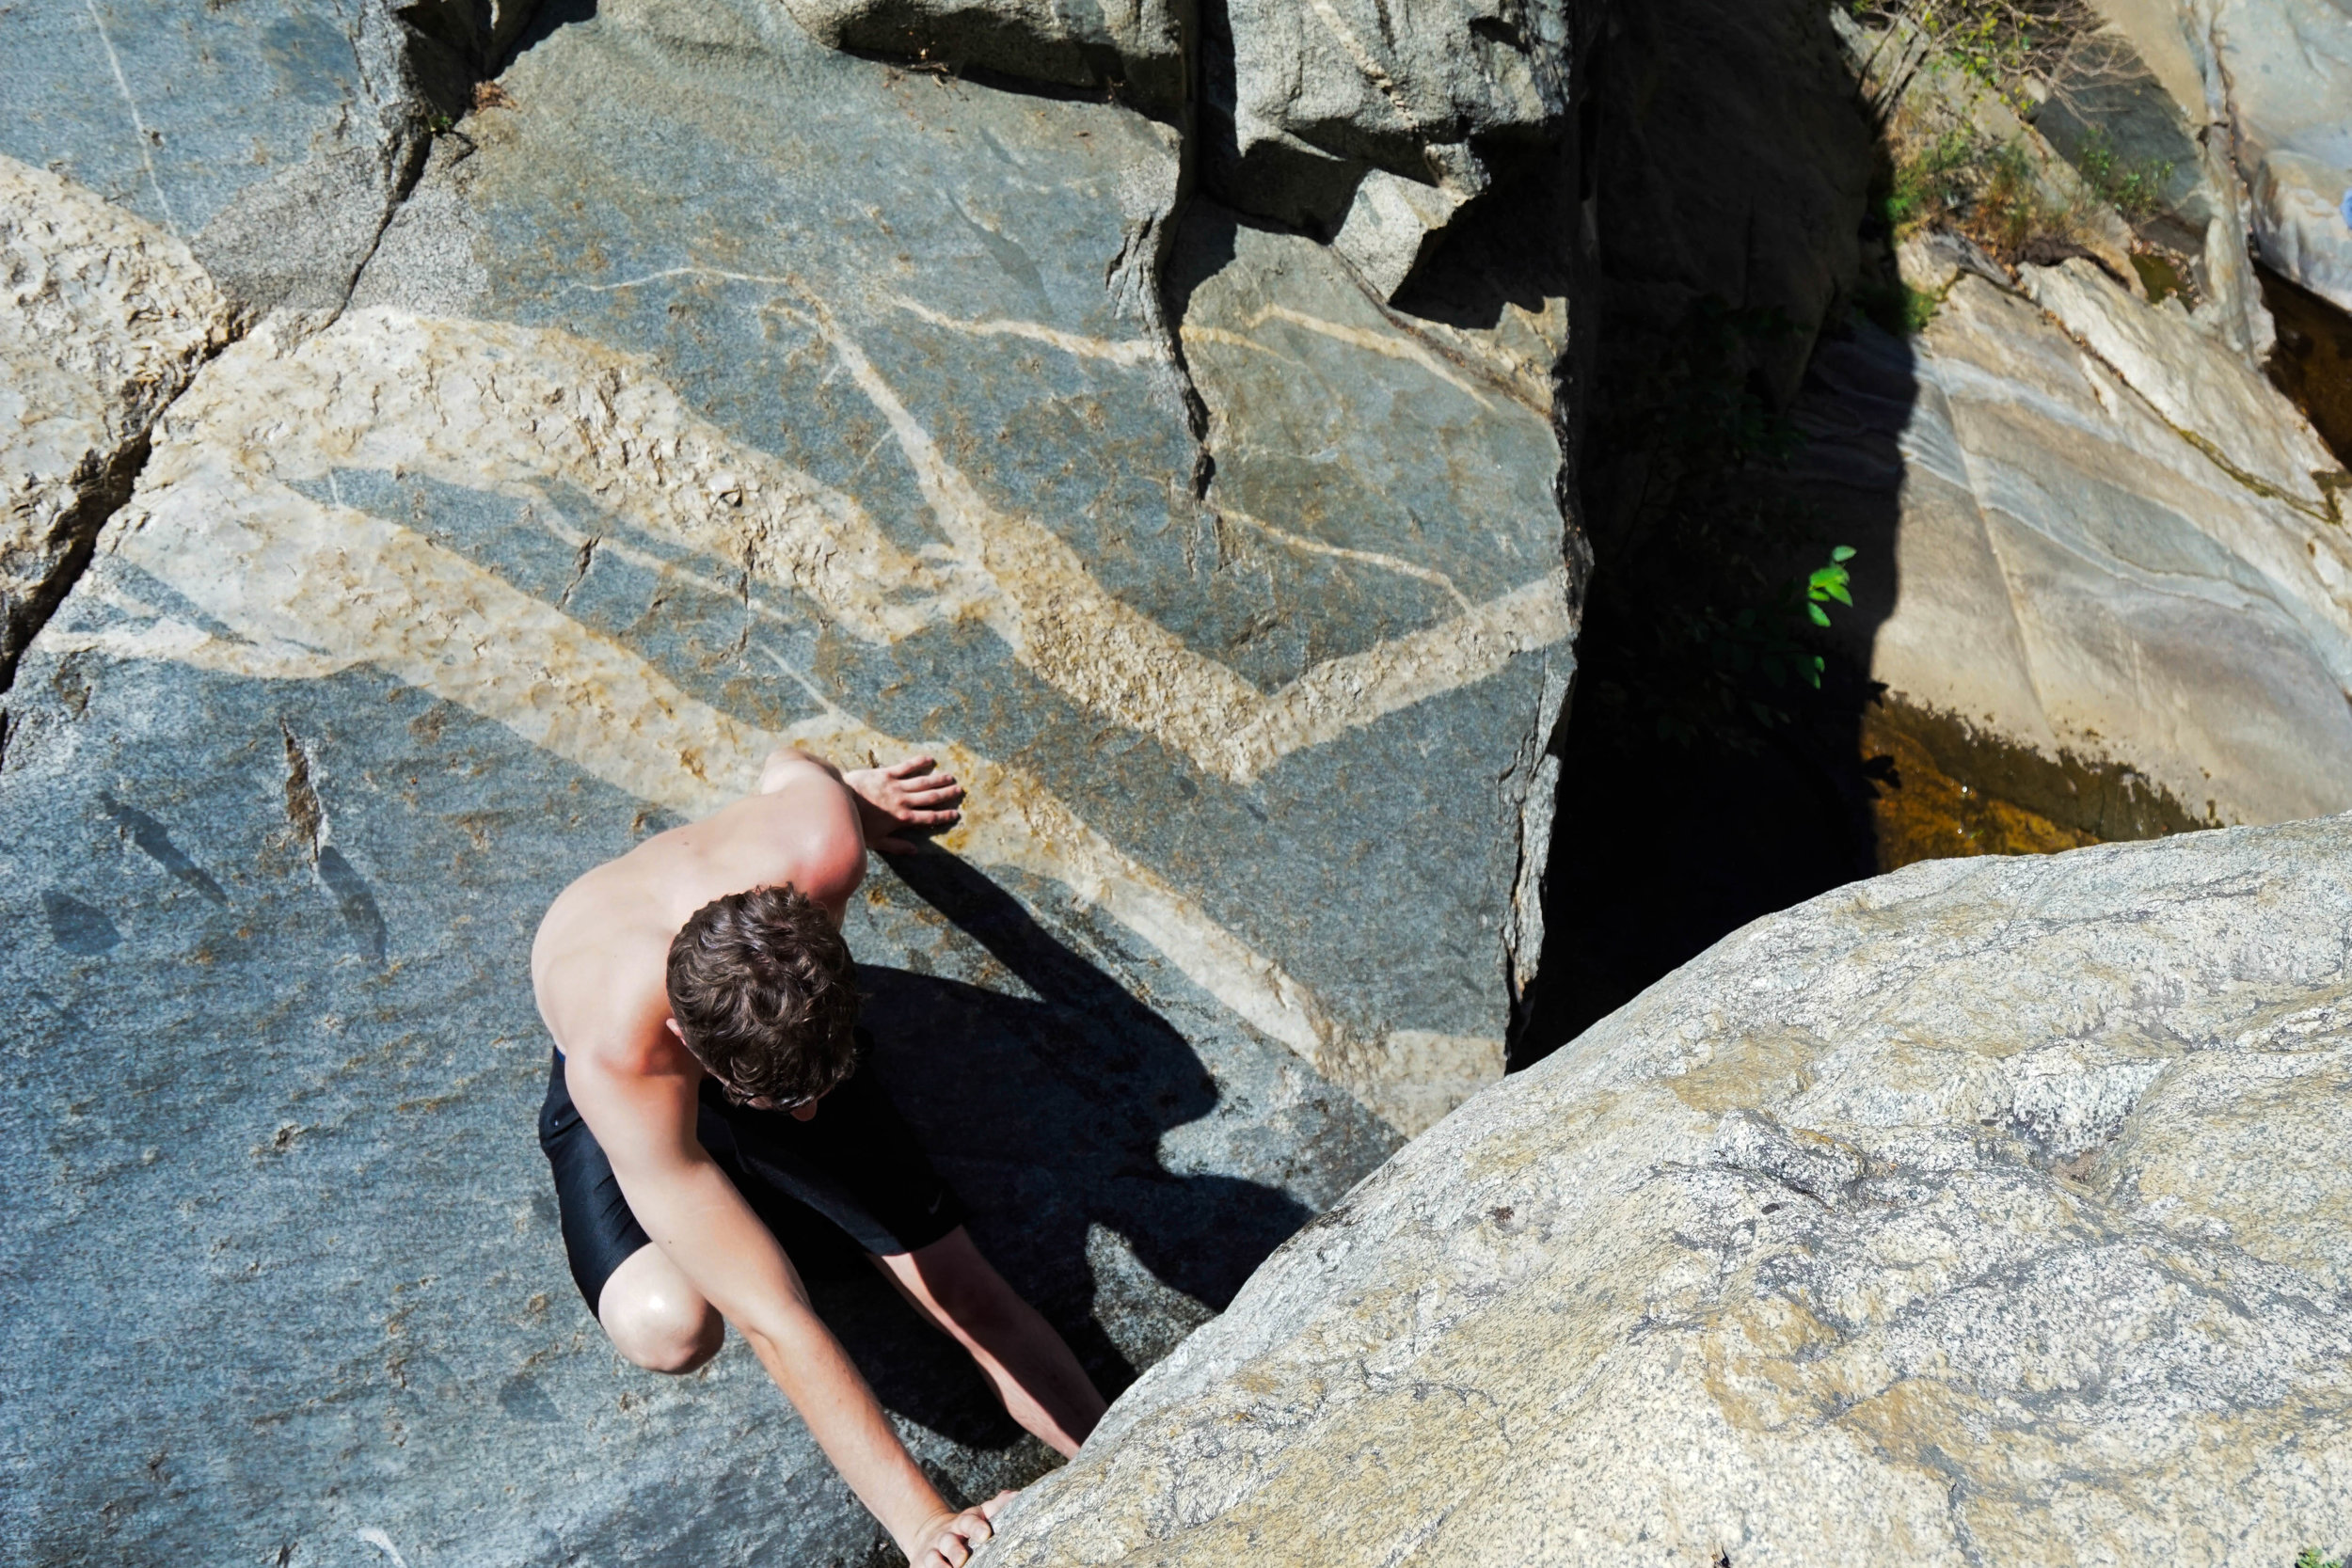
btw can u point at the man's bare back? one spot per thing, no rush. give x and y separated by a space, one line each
598 962
598 967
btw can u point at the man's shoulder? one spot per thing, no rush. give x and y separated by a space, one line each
597 967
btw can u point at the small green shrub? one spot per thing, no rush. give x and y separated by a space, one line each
2311 1559
1896 307
2018 50
1692 636
1930 184
2134 189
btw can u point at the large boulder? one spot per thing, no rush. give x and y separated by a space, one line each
704 388
2118 557
1989 1211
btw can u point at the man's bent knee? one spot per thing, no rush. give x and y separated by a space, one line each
656 1320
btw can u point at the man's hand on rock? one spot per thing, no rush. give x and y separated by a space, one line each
947 1540
913 794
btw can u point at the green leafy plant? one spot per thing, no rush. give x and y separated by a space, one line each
1829 583
1928 183
2311 1559
2134 189
1895 305
1692 635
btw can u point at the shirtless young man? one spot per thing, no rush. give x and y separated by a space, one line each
704 1008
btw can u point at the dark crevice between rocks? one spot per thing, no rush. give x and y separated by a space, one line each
1704 780
1697 792
2312 360
103 494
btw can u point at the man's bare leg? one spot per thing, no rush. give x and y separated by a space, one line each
1041 1383
655 1317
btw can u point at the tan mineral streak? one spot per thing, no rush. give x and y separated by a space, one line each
1388 345
1305 546
317 587
481 405
1344 693
1124 351
1101 652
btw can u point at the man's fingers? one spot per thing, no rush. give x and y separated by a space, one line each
994 1505
972 1524
911 766
931 818
931 797
930 781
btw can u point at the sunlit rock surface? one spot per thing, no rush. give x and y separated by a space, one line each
2286 70
2113 546
272 138
2262 85
1990 1211
704 388
103 320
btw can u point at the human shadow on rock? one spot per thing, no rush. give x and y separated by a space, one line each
1045 1114
1742 422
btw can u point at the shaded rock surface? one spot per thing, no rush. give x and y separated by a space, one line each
704 388
1360 122
1987 1212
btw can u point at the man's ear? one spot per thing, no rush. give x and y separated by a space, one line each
671 1025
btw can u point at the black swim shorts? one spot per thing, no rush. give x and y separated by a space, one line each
855 1162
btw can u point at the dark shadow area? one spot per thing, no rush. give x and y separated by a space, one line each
1045 1114
548 18
1203 248
1516 246
1740 425
2312 362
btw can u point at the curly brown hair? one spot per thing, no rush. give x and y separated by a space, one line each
765 994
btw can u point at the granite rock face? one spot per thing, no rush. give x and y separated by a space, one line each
103 320
702 389
2285 68
1367 124
1989 1211
1301 100
2260 84
271 138
2114 546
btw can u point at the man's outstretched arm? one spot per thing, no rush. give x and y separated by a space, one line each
913 795
702 1224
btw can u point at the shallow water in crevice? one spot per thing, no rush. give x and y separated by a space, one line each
2313 361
